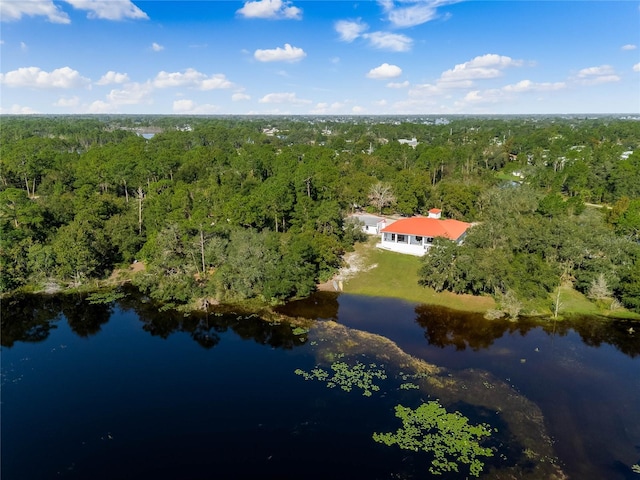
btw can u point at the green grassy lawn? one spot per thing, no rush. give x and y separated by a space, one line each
574 302
396 275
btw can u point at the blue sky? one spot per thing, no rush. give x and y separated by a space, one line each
319 57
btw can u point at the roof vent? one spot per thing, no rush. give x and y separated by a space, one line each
435 213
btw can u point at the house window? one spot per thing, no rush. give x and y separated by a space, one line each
429 239
393 237
402 239
418 239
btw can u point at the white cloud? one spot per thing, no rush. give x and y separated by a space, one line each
131 94
216 82
12 11
189 106
113 77
404 84
239 96
529 86
273 9
488 96
191 78
325 108
595 71
139 94
100 106
384 71
636 67
67 102
389 41
34 77
289 98
109 9
24 47
412 12
597 75
629 46
349 30
506 94
18 110
286 54
357 109
602 79
183 105
424 90
481 67
156 47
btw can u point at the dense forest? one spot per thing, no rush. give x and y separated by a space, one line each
235 208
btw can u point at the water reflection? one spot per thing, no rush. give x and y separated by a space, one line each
444 327
85 319
320 306
596 331
32 317
462 330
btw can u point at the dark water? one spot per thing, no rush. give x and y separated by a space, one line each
584 373
125 391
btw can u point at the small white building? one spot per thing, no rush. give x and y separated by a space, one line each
413 143
371 224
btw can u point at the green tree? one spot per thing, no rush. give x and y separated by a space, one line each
18 209
78 251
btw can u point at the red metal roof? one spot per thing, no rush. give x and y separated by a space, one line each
435 210
428 227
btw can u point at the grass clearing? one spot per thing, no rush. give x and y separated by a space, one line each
574 302
390 274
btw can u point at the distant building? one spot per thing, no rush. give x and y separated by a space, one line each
412 143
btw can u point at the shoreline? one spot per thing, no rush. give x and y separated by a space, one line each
361 274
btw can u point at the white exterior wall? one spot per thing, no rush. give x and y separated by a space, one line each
403 247
374 229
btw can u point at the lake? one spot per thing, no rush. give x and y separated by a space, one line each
126 391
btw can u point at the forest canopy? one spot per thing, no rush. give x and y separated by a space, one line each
233 208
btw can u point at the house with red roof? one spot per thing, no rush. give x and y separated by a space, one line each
415 235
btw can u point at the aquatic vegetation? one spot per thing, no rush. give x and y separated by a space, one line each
347 377
447 436
408 386
415 376
299 331
102 298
